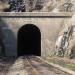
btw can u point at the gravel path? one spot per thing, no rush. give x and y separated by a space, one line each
27 65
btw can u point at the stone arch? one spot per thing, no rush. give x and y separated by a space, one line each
29 40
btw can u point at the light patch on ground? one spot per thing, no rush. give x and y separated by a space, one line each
21 72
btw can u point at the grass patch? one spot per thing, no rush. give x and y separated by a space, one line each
70 66
63 64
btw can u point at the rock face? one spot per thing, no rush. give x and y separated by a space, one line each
59 6
49 6
43 5
68 47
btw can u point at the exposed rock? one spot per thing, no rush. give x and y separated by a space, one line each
70 48
49 6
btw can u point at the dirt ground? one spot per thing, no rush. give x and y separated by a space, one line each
64 62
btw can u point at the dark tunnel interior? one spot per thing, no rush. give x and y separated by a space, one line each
29 40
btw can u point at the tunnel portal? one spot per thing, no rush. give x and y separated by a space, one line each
29 40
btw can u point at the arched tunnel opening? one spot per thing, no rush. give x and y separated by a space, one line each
29 40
